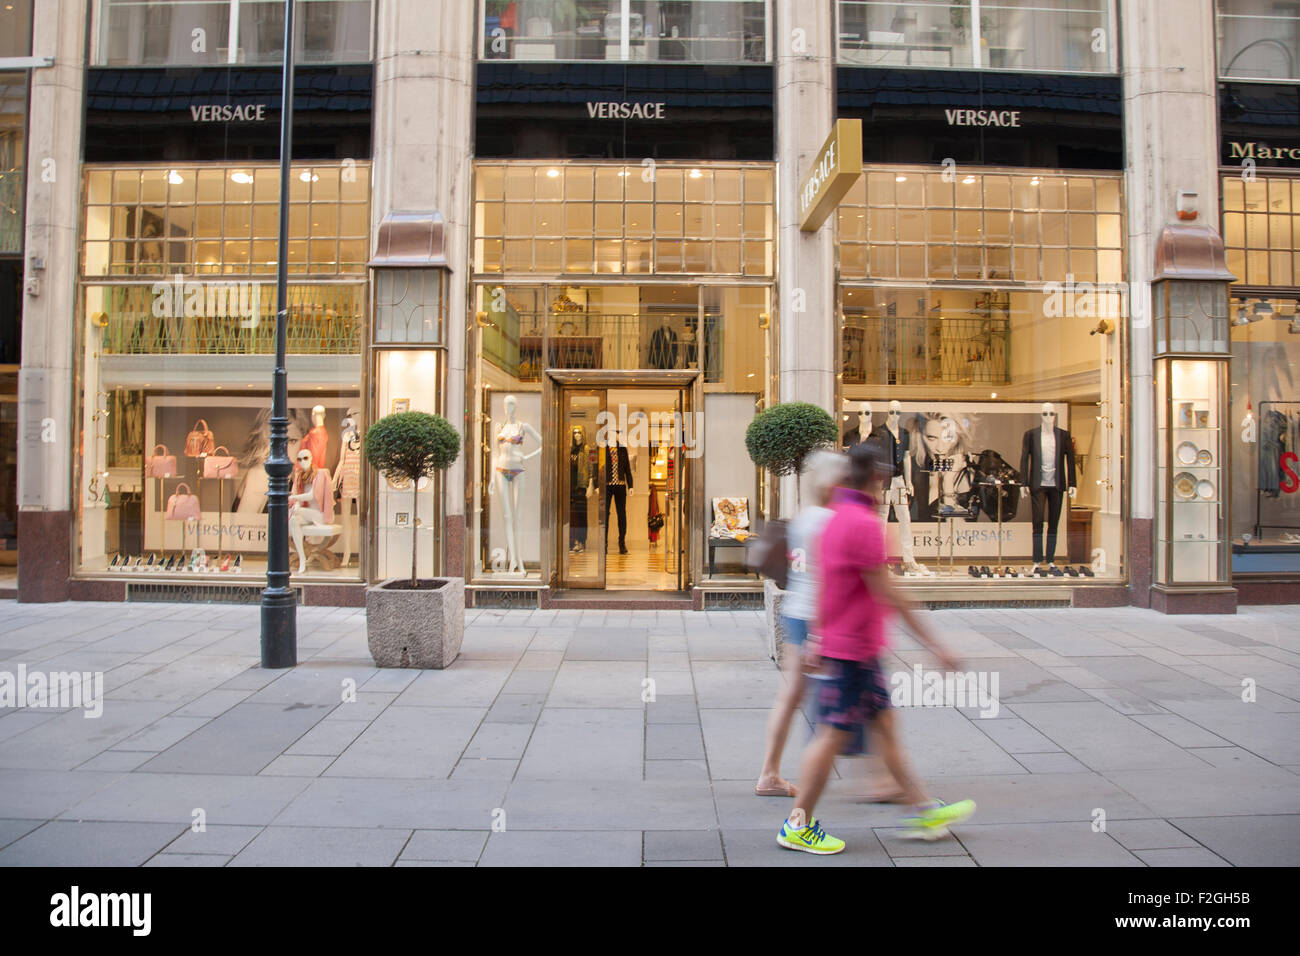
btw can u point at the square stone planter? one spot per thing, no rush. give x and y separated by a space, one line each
773 598
421 627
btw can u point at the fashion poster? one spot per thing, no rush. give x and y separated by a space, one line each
954 448
233 508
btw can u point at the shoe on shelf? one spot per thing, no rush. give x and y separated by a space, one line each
809 839
1086 571
932 821
972 571
1055 572
985 572
239 563
1069 569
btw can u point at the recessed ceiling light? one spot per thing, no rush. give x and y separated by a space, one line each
175 178
900 179
552 173
696 174
240 176
968 180
307 176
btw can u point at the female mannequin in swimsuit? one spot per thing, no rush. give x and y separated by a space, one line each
508 479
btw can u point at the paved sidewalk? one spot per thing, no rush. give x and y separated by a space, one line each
540 728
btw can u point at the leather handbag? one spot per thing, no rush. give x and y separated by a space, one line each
220 466
160 466
768 554
182 507
200 441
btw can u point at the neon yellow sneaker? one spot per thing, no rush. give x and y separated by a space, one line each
932 822
810 839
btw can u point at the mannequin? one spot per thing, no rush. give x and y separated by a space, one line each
347 481
618 485
899 492
311 502
508 481
317 440
582 485
863 429
1047 470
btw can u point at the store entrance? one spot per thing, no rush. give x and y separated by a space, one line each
622 461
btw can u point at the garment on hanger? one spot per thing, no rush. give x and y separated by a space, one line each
1274 438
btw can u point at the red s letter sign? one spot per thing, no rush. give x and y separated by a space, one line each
1290 480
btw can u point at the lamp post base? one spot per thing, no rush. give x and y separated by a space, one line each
279 628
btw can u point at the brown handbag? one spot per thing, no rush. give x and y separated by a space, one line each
200 441
220 466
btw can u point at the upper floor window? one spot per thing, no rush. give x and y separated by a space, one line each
675 31
199 32
1063 36
1259 39
16 28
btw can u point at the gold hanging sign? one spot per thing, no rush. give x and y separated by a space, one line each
836 169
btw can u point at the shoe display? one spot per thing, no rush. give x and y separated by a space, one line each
1086 571
972 571
225 563
809 839
1069 569
239 563
1055 572
112 566
932 822
985 572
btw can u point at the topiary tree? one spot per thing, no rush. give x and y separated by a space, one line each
781 437
409 446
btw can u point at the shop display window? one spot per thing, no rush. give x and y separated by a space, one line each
975 356
684 31
1258 39
198 32
177 338
1065 36
13 182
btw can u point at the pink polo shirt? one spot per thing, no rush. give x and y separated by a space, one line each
850 621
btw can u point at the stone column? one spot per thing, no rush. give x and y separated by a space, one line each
1171 136
803 44
47 420
423 130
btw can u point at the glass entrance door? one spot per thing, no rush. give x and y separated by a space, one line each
581 524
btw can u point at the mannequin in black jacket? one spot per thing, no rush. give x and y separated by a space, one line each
1047 478
618 483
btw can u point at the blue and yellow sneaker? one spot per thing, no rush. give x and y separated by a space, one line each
810 839
931 821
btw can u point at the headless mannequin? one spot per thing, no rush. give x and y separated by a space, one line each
899 491
347 481
582 485
508 480
311 503
317 440
1047 501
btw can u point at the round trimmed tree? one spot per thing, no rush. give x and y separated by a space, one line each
781 437
408 446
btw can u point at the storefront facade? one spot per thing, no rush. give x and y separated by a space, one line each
616 282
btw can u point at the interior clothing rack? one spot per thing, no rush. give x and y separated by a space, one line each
1259 492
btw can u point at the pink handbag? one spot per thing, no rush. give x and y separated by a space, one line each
160 466
220 466
182 507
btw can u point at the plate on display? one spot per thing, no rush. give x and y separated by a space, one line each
1186 453
1205 457
1205 489
1185 485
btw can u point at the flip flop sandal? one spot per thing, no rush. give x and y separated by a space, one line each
789 790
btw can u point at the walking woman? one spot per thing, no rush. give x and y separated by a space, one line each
799 610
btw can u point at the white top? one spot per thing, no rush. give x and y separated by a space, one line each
1049 457
803 536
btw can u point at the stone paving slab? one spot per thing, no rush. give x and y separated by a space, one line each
544 743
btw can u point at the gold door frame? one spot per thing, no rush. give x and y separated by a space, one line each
554 381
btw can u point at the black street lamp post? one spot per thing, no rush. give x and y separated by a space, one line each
279 606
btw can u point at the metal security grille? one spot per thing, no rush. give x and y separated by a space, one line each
507 600
196 594
732 600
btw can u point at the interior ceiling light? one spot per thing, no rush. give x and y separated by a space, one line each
307 176
696 174
1263 309
552 173
968 180
1243 316
1035 181
240 176
900 179
175 178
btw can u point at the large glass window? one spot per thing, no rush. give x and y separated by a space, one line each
1261 230
13 184
1258 39
675 31
972 304
199 32
177 329
1069 36
583 219
16 28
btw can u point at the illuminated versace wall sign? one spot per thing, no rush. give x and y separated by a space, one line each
837 166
